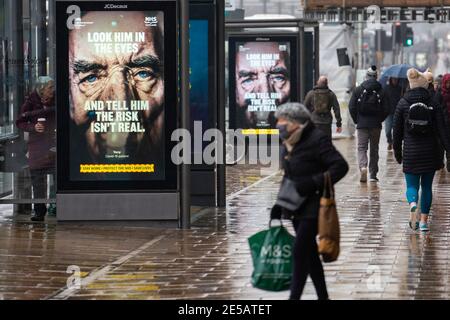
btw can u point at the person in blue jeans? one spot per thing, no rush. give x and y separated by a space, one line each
419 131
413 183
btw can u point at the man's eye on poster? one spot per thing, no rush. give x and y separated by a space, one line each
116 76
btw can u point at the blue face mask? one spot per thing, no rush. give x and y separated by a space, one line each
283 132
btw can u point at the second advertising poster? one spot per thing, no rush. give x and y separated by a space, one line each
263 75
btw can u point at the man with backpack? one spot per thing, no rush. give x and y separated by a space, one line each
319 102
369 107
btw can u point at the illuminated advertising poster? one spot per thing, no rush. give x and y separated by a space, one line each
199 72
202 73
119 99
262 77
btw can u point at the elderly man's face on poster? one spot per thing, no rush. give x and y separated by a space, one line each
117 59
262 78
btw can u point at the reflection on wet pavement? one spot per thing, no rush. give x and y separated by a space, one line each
380 256
242 176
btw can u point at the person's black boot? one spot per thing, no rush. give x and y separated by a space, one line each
37 217
40 210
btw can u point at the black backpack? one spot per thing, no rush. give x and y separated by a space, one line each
369 102
419 120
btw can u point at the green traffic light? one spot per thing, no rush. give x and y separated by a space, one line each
409 42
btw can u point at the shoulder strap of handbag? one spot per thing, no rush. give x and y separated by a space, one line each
287 169
328 189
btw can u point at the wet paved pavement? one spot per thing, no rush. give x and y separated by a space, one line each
380 256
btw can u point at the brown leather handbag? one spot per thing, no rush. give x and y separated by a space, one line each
329 232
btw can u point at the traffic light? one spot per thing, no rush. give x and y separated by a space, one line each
397 32
403 35
409 37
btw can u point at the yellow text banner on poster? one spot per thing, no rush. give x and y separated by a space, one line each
259 131
117 168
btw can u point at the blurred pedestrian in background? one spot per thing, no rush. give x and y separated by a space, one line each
38 119
438 83
319 102
430 79
443 99
394 92
369 107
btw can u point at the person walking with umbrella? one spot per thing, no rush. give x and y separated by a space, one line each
394 92
398 71
396 77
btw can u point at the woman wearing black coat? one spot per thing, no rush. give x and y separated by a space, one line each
307 154
420 152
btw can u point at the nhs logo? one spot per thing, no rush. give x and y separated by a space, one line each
151 21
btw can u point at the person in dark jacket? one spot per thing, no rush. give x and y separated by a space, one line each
394 92
319 102
419 151
430 79
438 83
369 107
443 99
38 119
307 153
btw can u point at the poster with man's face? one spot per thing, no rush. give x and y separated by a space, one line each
116 95
260 81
